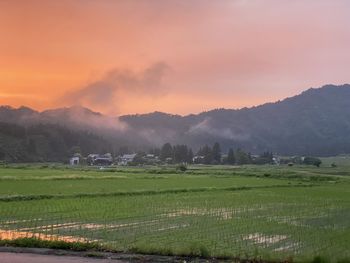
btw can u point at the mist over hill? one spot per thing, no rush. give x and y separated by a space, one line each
315 122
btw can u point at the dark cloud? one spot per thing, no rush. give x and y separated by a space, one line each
106 91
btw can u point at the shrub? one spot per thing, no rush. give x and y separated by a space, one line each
54 244
312 161
182 168
319 259
197 250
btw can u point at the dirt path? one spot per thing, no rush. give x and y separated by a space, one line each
43 255
8 257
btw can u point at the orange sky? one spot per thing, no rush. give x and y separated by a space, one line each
135 56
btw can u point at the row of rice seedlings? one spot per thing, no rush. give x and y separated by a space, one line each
235 227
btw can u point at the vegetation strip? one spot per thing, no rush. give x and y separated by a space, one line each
147 192
94 250
111 255
54 244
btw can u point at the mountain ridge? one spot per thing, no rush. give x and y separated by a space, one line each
26 108
314 122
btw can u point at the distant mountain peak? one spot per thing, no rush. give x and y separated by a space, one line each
69 110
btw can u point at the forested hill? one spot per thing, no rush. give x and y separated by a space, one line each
46 142
315 122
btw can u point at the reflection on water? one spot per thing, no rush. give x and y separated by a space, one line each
13 234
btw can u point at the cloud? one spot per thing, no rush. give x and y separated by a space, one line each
205 127
85 118
106 92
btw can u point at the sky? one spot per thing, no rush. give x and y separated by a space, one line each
179 56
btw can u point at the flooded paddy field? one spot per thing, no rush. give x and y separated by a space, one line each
268 212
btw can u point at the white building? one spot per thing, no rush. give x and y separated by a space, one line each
74 160
126 158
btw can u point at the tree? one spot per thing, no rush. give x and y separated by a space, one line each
155 151
139 158
47 142
31 146
231 157
206 152
312 161
242 157
2 154
166 151
182 168
180 153
265 158
216 153
75 149
123 150
190 156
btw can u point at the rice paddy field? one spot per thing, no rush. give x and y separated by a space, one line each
276 213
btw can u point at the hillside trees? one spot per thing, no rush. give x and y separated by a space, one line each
45 142
190 156
265 158
216 153
166 151
180 153
206 153
231 157
242 157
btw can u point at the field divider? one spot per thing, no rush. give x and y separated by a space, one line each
145 192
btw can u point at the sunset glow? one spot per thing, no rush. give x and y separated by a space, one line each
122 57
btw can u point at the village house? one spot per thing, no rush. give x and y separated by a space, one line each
98 159
126 158
75 160
198 159
151 159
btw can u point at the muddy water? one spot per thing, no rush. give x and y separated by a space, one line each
13 234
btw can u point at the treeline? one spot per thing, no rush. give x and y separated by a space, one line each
176 154
208 155
55 143
213 155
308 160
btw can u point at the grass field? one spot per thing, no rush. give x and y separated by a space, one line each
269 212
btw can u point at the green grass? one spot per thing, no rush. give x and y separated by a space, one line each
342 161
109 185
211 211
